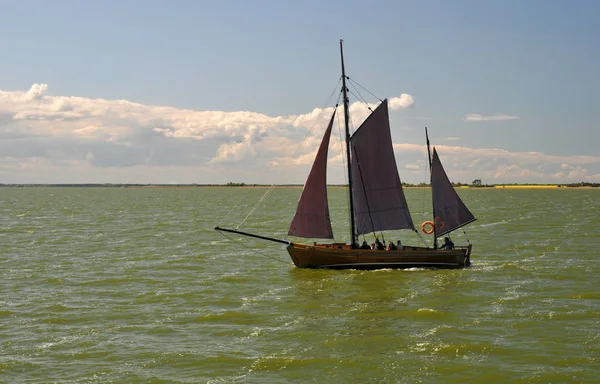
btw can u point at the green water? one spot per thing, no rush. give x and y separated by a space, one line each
133 286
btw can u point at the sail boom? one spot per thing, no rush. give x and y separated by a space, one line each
217 228
446 231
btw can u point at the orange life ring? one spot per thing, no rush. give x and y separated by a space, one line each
431 226
439 223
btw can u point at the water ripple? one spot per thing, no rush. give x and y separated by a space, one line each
132 285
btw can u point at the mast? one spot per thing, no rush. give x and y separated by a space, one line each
346 124
431 184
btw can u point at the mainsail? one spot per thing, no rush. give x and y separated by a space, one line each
379 202
448 209
312 215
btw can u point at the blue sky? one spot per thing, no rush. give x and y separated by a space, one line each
202 92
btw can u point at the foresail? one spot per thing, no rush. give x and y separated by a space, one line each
447 205
379 202
312 215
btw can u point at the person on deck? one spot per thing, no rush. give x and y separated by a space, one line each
391 246
378 244
448 244
399 245
365 245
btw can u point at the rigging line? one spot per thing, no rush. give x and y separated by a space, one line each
357 83
360 97
465 232
342 159
422 238
362 182
342 148
350 125
424 194
252 249
316 121
228 213
382 237
430 160
264 196
294 154
361 100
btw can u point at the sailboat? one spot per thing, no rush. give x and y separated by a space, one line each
376 203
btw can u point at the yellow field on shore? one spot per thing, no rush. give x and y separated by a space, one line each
528 186
549 186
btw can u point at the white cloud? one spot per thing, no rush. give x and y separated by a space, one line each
233 152
579 173
502 166
499 116
402 102
119 118
120 133
53 139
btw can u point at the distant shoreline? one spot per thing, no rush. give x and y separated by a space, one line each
242 185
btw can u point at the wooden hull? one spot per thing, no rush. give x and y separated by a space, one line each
342 256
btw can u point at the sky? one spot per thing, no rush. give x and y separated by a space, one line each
239 91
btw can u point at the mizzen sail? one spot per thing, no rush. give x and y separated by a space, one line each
379 202
447 205
312 215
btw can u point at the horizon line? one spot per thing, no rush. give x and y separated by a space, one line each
232 185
